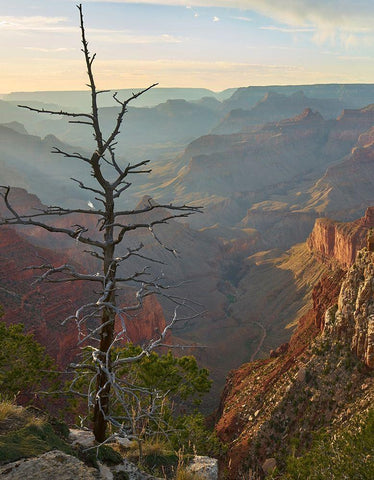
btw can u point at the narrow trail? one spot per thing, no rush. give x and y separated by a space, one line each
261 342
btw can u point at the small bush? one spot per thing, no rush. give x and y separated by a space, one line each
103 453
345 455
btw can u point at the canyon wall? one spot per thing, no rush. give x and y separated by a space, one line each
352 322
338 242
321 376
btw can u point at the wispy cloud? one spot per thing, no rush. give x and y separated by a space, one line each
30 23
350 58
49 50
243 19
330 18
288 29
58 25
121 36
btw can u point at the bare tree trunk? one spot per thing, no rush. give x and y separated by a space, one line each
102 400
101 409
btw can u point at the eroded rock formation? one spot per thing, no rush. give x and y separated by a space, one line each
339 242
353 320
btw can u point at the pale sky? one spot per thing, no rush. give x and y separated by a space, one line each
215 44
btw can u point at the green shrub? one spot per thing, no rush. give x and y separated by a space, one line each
192 435
344 455
23 361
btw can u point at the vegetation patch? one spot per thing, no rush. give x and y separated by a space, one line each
344 455
31 440
103 453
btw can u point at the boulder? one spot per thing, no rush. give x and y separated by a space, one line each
206 467
53 464
83 438
269 465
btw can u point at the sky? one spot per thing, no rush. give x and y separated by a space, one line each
215 44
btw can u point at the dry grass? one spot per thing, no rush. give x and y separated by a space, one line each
8 409
12 417
184 474
156 446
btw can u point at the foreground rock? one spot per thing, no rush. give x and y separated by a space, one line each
54 464
58 465
83 438
205 467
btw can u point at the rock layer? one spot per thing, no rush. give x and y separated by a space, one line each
353 321
339 242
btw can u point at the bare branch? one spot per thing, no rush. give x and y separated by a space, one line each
84 187
70 155
121 114
149 226
19 220
89 60
54 112
154 206
119 191
65 268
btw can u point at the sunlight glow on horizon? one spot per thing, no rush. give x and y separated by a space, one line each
208 44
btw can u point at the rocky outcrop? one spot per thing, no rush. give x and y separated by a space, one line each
259 158
59 465
358 117
338 242
315 380
205 467
353 320
254 392
54 464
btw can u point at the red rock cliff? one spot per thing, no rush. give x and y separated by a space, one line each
338 242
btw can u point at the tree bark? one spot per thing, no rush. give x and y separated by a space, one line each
107 332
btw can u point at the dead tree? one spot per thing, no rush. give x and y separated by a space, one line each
107 245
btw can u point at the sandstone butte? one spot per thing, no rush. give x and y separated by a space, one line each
322 375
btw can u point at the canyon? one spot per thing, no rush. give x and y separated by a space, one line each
283 187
